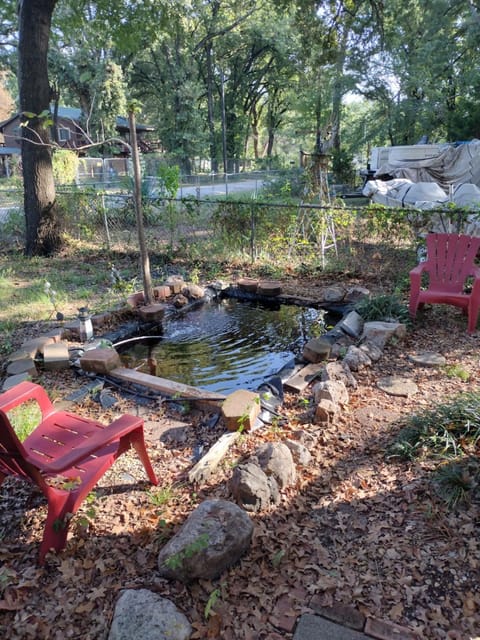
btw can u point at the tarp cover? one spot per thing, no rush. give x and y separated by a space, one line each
452 166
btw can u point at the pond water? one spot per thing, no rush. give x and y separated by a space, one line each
225 345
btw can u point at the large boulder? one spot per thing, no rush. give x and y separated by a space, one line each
144 615
213 538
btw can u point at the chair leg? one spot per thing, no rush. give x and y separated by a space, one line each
138 443
472 319
56 527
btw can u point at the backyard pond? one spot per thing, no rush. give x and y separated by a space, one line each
226 344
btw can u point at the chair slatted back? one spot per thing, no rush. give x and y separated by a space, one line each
450 260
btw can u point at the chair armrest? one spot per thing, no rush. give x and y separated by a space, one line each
117 429
419 269
23 392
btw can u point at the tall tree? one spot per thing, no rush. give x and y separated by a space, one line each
43 233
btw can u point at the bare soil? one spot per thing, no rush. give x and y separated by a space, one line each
356 529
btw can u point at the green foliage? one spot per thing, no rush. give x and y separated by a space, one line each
170 176
387 308
457 371
342 167
65 165
457 482
162 496
175 561
212 600
447 431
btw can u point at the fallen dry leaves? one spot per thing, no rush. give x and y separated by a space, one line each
355 529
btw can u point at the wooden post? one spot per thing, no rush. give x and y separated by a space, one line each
137 191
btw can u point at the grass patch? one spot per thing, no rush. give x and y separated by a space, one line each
447 431
386 308
25 418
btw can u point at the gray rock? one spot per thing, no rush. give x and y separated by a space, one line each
325 411
333 390
251 488
356 293
301 455
339 371
333 294
276 460
144 615
379 333
428 359
356 359
395 386
212 539
372 350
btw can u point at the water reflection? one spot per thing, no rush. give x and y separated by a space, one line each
225 345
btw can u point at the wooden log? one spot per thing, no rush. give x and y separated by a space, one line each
207 465
168 387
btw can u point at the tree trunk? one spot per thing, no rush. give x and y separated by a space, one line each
211 108
43 233
137 189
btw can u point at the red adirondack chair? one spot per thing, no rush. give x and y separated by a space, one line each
64 456
450 264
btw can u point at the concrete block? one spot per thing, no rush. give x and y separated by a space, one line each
135 299
152 312
38 343
317 349
100 360
352 324
56 356
269 288
247 284
176 284
240 410
162 292
55 334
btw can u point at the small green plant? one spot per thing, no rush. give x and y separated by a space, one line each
162 496
387 308
455 482
175 561
90 511
212 600
278 557
456 371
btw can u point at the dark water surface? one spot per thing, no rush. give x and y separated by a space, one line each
225 345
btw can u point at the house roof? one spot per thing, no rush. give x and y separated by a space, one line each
73 113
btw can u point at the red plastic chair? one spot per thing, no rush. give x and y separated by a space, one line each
65 456
450 263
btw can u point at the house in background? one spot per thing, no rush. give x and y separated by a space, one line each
69 134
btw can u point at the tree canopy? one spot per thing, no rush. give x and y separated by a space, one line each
224 81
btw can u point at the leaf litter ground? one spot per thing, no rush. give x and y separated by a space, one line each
356 529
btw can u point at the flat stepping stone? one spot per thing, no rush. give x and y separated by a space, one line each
396 386
428 359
